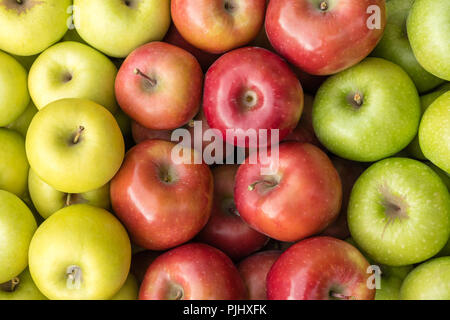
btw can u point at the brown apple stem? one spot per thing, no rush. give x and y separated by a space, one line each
11 285
68 198
74 275
358 99
341 296
323 6
268 183
191 123
140 73
76 139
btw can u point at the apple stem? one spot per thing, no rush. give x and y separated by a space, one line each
11 285
191 123
74 275
69 195
358 99
140 73
254 184
341 296
323 6
76 139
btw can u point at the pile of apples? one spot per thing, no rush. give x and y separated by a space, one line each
94 206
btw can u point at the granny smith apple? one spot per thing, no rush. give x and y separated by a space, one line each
399 212
429 281
14 96
75 145
118 27
129 291
17 226
441 173
395 47
434 132
30 26
428 28
22 123
13 162
368 112
80 252
72 70
21 287
48 200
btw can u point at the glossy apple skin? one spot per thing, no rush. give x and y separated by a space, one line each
306 197
278 101
176 97
254 270
323 43
225 229
313 268
160 215
193 271
210 26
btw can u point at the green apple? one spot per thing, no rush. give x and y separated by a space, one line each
428 28
14 97
399 212
48 200
413 149
13 162
441 173
22 123
429 281
21 287
30 26
72 70
80 252
17 226
129 290
368 112
434 132
75 145
395 47
118 27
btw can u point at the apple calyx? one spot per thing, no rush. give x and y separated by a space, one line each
11 285
175 292
249 99
229 6
268 183
229 206
74 276
77 136
323 6
151 81
357 98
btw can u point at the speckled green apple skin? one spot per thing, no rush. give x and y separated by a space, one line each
129 290
14 97
81 167
395 47
429 281
384 124
85 236
428 29
17 226
92 75
419 236
47 200
434 132
26 290
13 162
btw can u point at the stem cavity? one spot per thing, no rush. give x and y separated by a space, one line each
74 276
151 81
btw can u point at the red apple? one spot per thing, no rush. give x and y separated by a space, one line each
193 271
225 229
160 86
141 261
299 199
161 203
252 88
141 133
254 270
217 26
323 37
320 268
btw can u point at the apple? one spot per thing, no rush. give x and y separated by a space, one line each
358 116
225 229
251 88
14 97
320 268
162 203
141 133
391 282
140 262
13 162
75 145
118 27
22 123
441 173
217 26
48 200
428 281
395 47
434 132
299 199
399 212
129 290
31 26
193 271
17 226
72 70
21 287
428 32
324 37
80 252
160 86
254 270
